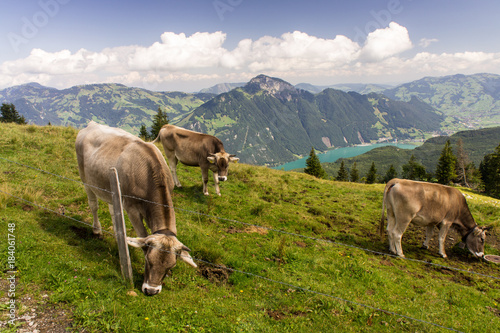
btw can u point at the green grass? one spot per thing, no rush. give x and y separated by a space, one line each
312 283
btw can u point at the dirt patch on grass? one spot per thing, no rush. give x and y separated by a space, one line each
283 313
248 230
34 313
218 275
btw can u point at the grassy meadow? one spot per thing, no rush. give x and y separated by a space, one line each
306 270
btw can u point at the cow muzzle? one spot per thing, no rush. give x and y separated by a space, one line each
222 179
149 290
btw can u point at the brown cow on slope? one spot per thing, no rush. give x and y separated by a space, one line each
143 173
195 149
429 205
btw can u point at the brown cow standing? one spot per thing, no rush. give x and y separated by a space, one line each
143 173
195 149
428 205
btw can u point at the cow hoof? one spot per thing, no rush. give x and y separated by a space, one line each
424 247
206 193
444 256
98 235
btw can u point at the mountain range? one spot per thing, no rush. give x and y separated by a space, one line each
113 104
269 121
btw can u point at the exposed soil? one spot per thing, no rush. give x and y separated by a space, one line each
34 314
283 313
217 275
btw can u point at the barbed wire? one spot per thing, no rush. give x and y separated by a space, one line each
268 228
53 174
248 273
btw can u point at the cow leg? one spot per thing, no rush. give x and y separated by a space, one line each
428 235
216 181
172 161
204 178
443 231
391 222
395 233
136 220
94 206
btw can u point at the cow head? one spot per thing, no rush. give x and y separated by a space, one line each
161 254
474 239
219 162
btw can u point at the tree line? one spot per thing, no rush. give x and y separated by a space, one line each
452 168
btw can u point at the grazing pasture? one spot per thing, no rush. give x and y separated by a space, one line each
278 252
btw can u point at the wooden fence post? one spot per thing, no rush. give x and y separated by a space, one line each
119 228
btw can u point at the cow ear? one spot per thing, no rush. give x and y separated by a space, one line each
136 242
477 232
211 159
184 255
233 159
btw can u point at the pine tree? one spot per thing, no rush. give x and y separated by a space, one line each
445 170
490 173
143 133
390 174
313 165
414 170
371 176
354 173
159 120
342 175
10 115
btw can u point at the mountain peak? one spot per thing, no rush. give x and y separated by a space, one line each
273 86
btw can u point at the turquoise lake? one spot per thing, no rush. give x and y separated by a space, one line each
335 154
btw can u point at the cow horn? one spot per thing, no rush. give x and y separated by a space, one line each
185 248
477 232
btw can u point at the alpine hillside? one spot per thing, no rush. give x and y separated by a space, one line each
269 121
472 99
113 104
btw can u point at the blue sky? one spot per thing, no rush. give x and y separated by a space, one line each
188 45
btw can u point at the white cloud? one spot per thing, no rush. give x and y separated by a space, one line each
178 61
178 52
425 42
384 43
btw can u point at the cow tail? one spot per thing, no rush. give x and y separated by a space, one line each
382 218
158 137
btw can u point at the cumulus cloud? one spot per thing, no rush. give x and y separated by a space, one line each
202 57
384 43
425 42
178 52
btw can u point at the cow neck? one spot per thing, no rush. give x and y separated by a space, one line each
467 223
165 232
464 237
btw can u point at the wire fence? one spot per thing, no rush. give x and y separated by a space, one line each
256 226
340 244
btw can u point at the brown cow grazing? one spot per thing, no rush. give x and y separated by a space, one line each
143 173
428 205
195 149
